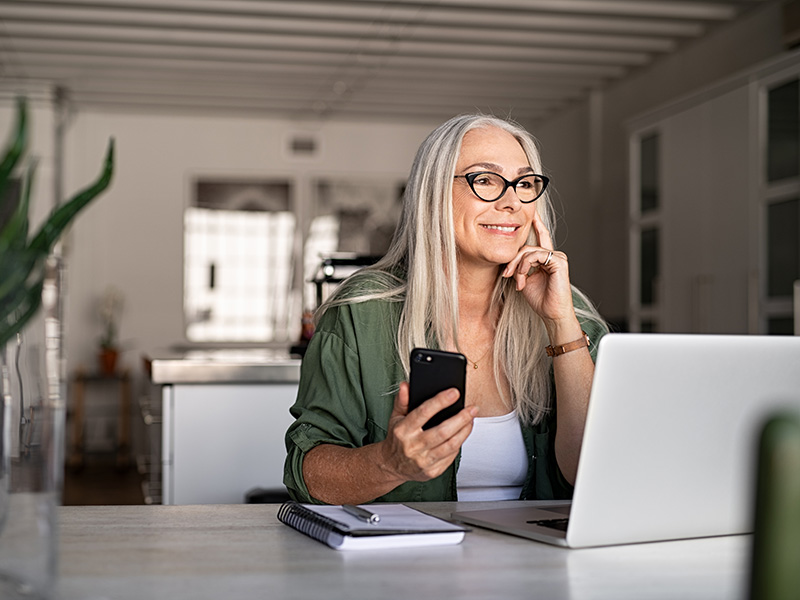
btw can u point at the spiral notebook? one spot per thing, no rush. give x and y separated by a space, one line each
400 526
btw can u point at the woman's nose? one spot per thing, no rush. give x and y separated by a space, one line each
509 200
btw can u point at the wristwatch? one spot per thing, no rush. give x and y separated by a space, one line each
569 347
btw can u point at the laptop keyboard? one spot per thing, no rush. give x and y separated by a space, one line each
560 524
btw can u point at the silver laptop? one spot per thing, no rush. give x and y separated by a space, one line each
670 444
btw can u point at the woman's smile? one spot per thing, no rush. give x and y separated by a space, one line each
502 228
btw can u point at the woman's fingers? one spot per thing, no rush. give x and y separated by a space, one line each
542 234
528 261
442 444
421 414
425 454
401 400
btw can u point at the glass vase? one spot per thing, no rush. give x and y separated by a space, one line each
32 425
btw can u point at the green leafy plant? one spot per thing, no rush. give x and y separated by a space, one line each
22 257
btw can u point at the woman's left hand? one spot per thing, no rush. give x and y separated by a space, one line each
542 275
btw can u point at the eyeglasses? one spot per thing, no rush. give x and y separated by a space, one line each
490 186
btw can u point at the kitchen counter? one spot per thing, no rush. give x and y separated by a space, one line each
224 416
256 365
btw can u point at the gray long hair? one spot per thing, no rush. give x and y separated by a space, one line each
421 270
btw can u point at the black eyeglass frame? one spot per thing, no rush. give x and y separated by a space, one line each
470 177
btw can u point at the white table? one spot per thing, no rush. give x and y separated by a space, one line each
243 551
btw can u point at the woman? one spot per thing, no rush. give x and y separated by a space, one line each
471 269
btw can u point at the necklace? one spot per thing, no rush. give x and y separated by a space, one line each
475 362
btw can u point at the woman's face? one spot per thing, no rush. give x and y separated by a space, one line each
490 233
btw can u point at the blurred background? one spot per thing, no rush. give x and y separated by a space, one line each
263 146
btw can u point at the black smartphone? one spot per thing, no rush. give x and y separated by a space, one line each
433 371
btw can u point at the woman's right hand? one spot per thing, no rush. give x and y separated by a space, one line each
339 475
415 454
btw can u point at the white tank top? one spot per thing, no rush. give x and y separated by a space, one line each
494 461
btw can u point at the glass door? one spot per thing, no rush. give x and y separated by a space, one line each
645 232
780 201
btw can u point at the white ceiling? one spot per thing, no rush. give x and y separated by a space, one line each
350 59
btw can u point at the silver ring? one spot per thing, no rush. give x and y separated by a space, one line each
549 256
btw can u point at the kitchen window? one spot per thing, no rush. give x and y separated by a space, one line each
253 247
238 262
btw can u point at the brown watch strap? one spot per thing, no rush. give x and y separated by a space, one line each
569 347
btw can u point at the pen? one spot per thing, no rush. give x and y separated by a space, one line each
361 513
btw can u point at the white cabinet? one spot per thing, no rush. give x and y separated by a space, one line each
706 208
222 440
702 211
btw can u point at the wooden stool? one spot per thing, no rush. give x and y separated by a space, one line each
77 448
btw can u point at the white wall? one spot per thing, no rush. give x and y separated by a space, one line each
707 259
131 237
598 211
564 144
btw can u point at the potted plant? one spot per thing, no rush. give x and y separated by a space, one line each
32 405
110 309
22 259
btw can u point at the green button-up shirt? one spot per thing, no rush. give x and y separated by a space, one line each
349 377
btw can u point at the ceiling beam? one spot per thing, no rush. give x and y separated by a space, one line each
239 14
543 62
164 24
131 39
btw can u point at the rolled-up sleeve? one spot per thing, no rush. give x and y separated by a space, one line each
330 407
346 379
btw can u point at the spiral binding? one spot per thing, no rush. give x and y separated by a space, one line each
307 521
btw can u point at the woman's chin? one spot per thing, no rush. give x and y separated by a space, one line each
499 262
498 259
